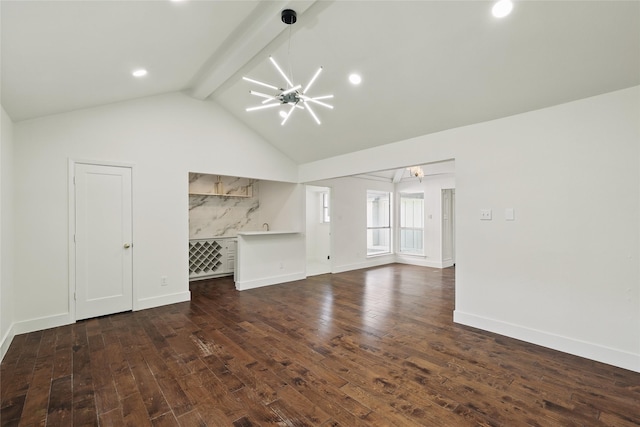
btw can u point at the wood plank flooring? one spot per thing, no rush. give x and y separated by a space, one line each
374 347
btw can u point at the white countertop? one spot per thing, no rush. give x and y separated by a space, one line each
265 233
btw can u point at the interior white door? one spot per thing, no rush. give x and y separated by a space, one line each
104 273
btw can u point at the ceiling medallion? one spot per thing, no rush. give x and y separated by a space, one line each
294 96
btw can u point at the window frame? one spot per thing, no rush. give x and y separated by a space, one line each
326 213
401 228
389 226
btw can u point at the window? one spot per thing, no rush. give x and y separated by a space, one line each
412 223
378 223
325 208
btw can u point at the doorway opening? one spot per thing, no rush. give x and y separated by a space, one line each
318 230
448 227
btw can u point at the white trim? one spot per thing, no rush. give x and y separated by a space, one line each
611 356
6 341
268 281
72 227
103 163
40 323
152 302
422 261
370 262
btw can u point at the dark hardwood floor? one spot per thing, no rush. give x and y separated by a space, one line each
372 347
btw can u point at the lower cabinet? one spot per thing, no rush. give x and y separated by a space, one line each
211 257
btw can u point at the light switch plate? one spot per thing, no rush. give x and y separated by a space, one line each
485 214
509 214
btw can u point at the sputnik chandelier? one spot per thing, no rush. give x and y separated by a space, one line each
293 96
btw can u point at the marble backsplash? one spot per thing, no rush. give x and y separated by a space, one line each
226 215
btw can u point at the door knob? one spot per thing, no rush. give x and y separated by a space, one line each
127 246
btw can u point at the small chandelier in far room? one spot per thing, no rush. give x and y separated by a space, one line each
416 171
294 96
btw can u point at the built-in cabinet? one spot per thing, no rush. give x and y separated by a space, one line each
213 257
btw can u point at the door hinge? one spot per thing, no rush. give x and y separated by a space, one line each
74 296
74 180
74 238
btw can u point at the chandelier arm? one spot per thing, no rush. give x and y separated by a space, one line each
261 107
313 114
313 79
307 99
288 115
293 89
261 83
275 64
273 98
316 98
261 95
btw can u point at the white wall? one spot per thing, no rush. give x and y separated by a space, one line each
282 206
165 137
432 187
265 259
6 234
565 273
349 214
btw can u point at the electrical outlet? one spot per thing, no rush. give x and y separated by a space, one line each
485 214
164 281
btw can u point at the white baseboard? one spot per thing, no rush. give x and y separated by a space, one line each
145 303
6 341
420 261
47 322
370 262
274 280
32 325
610 356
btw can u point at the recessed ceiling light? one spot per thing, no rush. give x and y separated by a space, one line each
502 8
355 79
141 72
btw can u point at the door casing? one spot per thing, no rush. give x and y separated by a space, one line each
72 228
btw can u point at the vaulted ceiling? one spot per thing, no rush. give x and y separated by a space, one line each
426 66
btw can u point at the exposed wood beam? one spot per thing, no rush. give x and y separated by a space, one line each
253 34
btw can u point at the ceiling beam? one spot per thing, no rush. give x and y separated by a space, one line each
252 35
397 177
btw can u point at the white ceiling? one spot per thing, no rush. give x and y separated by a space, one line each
427 66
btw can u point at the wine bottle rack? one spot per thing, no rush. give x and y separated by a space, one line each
210 257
